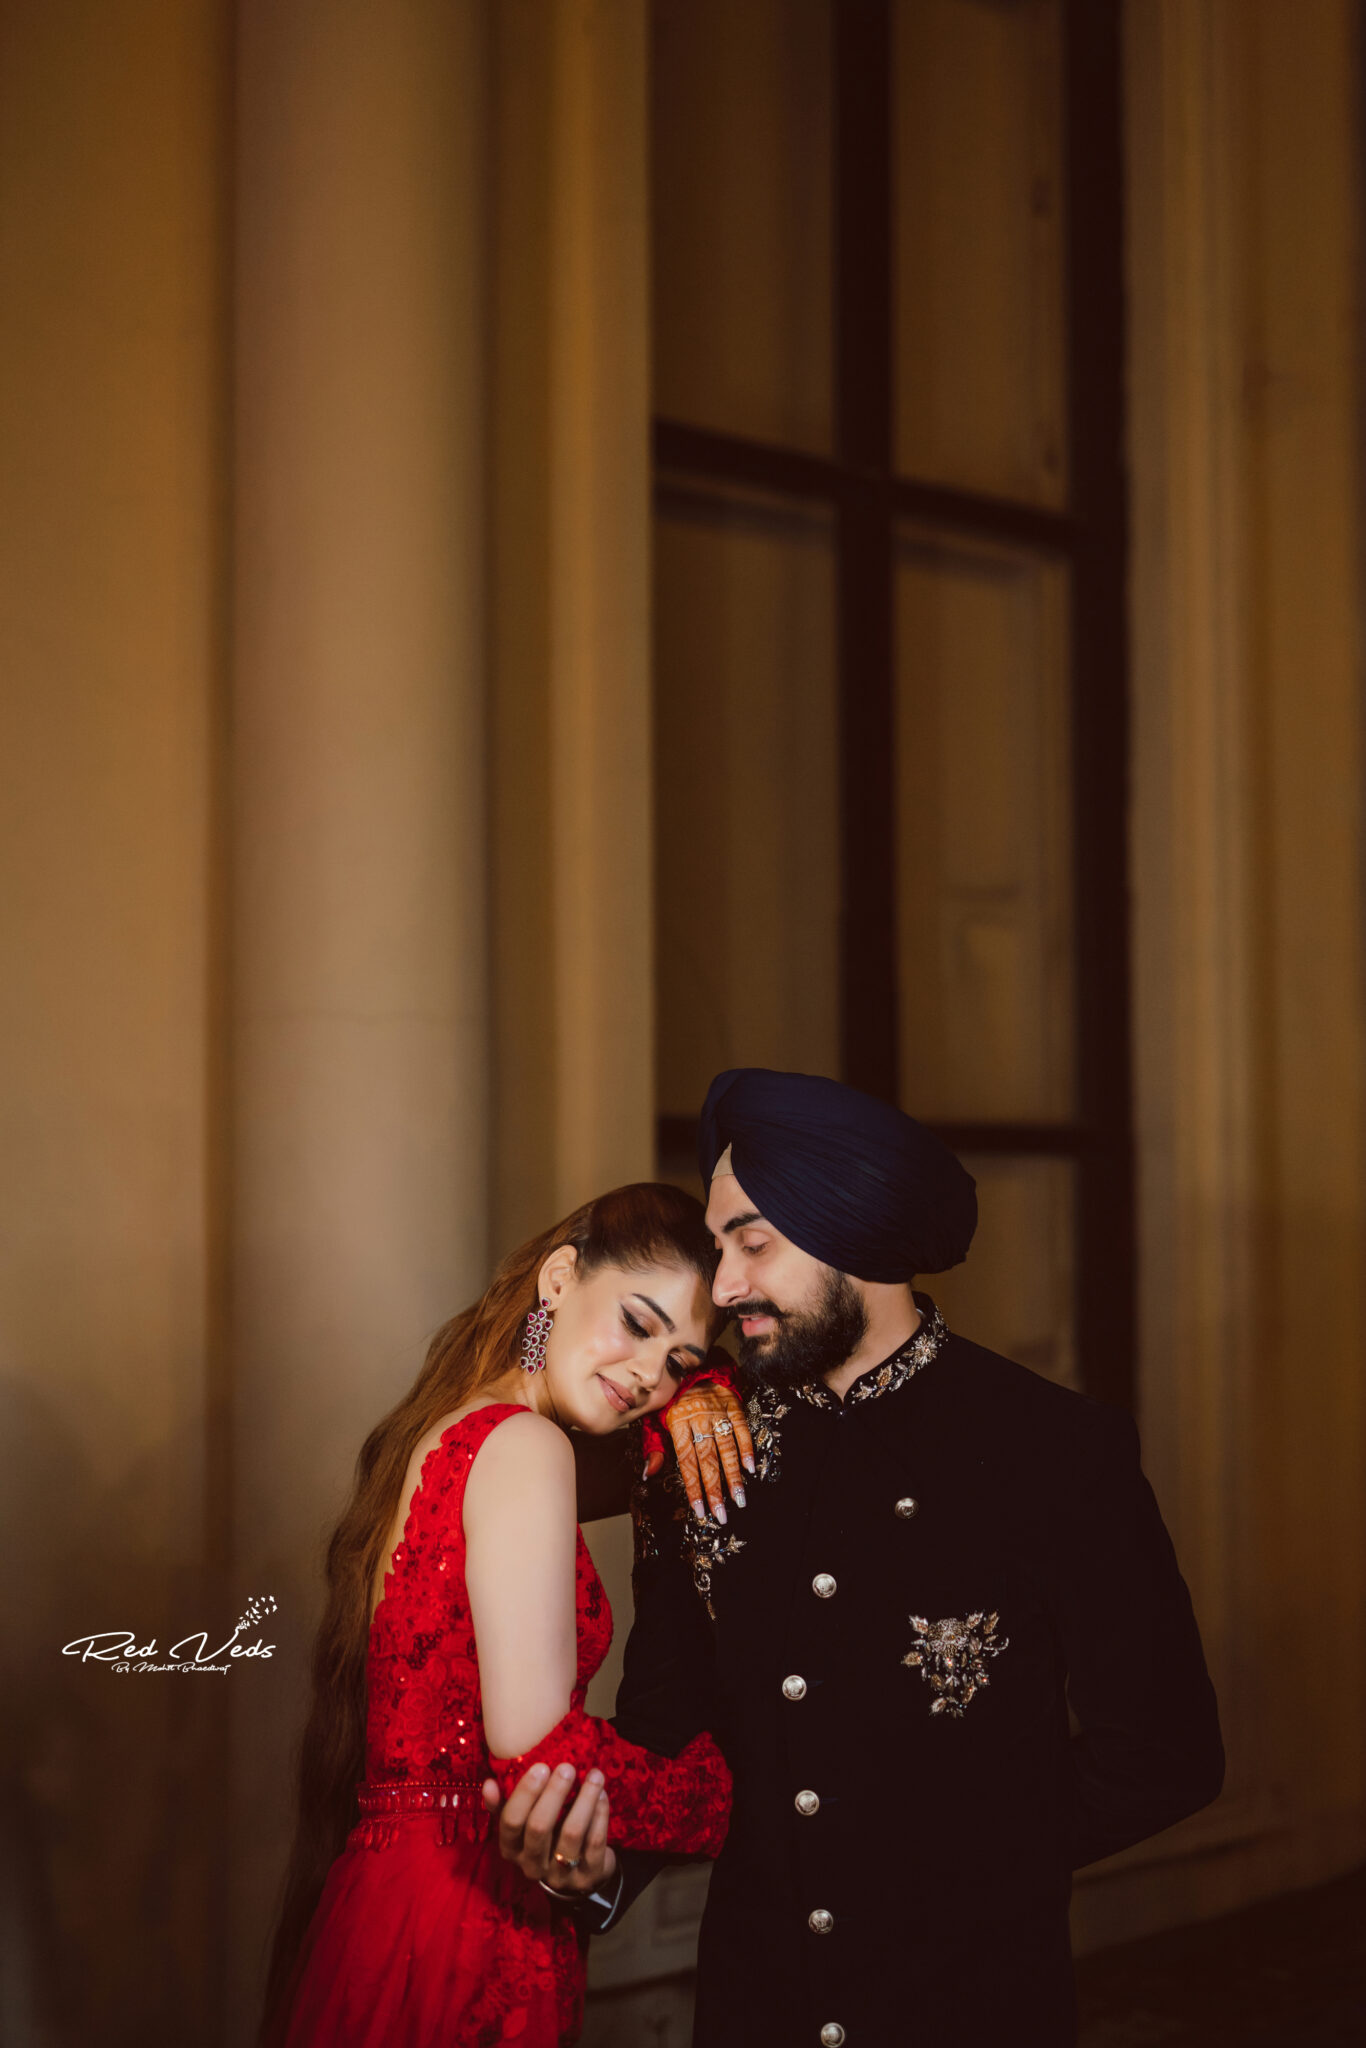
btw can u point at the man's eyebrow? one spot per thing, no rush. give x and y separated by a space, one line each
739 1222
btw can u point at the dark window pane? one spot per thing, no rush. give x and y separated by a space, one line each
741 217
979 245
746 794
1014 1292
983 836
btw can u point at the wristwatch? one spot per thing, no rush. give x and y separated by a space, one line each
599 1908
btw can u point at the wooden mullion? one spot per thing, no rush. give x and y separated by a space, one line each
677 1136
1006 519
1106 1296
706 454
866 652
682 450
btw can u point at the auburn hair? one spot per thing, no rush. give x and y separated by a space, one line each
644 1224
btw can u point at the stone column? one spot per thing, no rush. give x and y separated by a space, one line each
358 971
572 764
600 713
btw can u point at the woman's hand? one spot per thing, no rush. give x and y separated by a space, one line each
706 1421
570 1854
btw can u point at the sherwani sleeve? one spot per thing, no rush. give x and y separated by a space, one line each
1147 1751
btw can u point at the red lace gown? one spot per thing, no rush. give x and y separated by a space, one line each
424 1934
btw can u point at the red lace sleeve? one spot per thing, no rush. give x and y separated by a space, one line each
681 1804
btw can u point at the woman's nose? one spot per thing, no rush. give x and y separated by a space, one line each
649 1372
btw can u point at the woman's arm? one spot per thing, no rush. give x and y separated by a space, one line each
519 1572
519 1546
681 1803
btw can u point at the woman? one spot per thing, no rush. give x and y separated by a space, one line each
463 1622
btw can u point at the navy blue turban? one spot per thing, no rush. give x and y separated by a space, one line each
859 1185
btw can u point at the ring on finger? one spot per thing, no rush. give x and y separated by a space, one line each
702 1436
723 1428
569 1862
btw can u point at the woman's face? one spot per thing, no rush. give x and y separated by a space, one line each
622 1340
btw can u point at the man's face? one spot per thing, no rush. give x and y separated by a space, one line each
797 1318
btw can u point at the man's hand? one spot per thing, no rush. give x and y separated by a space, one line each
571 1854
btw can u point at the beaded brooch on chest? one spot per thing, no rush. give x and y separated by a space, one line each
951 1655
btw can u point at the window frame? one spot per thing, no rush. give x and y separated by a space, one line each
869 501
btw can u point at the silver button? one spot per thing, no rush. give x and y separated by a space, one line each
832 2035
907 1507
822 1585
794 1688
820 1922
807 1803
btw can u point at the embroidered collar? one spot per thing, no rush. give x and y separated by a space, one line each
894 1371
768 1406
707 1544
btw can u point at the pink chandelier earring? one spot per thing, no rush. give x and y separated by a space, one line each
539 1324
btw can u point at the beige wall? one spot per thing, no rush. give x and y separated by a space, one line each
357 970
112 350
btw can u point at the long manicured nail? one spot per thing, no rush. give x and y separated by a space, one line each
698 1510
720 1511
748 1464
737 1494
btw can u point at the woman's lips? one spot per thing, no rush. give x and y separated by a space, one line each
614 1395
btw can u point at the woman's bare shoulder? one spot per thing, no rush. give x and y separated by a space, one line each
540 1424
525 1465
527 1439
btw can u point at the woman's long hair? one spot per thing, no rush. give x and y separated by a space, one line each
644 1224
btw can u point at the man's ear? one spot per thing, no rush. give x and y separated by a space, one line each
557 1274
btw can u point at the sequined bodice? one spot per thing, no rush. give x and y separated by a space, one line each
424 1719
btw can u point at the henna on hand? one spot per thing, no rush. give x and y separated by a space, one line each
711 1438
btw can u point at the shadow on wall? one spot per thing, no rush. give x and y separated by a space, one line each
113 1832
657 2015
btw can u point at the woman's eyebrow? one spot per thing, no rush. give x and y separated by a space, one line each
669 1326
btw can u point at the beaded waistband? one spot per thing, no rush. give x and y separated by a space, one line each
412 1795
453 1801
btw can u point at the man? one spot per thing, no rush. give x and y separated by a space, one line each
942 1555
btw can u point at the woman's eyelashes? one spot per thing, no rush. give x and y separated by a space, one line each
677 1366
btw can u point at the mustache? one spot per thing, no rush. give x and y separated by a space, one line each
757 1308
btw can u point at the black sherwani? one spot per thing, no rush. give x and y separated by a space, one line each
930 1573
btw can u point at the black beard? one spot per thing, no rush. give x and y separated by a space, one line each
808 1343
